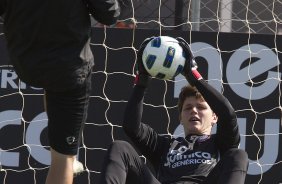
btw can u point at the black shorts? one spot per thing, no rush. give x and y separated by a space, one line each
67 113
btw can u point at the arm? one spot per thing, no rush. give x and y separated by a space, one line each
149 143
227 128
104 11
133 112
143 136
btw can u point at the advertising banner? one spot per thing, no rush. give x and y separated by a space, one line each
244 67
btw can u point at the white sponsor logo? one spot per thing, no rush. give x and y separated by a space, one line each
178 158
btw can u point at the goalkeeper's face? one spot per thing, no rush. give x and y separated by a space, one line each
196 116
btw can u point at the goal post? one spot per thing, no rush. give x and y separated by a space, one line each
239 51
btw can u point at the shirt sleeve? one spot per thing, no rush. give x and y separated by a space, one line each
2 7
104 11
227 135
149 143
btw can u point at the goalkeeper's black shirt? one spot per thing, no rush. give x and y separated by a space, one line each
189 159
48 40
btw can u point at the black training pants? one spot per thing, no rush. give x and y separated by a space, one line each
124 166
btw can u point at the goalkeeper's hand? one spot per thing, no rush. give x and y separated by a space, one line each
190 71
142 76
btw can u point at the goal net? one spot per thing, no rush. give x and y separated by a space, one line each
238 47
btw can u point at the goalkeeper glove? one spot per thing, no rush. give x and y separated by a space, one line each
190 71
142 76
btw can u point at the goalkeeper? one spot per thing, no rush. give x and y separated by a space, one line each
200 157
49 46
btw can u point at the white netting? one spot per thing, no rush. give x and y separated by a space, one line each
245 65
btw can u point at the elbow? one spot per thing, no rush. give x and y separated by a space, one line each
129 131
230 114
127 126
108 17
111 17
107 20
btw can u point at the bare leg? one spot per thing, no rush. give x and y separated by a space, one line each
61 169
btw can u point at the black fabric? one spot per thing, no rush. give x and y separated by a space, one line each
49 46
231 169
2 6
227 135
123 165
49 41
67 113
163 152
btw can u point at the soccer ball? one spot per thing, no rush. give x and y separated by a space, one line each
163 57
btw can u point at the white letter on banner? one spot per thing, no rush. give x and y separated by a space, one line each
33 132
8 77
9 117
271 145
235 74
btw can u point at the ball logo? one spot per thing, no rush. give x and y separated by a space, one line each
169 57
171 51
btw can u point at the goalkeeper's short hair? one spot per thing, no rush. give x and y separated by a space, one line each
188 91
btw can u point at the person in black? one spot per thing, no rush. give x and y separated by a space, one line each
199 157
48 43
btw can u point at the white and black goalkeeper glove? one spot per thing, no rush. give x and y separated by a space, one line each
142 76
190 71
